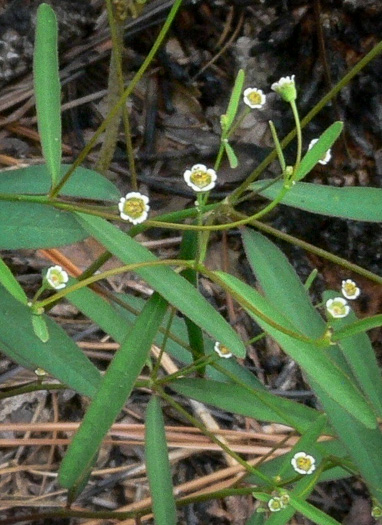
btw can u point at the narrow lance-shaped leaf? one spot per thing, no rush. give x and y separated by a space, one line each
281 284
174 288
314 359
359 204
363 445
158 466
359 354
47 88
234 100
232 158
11 284
317 152
115 388
311 512
58 355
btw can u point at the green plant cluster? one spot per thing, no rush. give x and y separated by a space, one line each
54 204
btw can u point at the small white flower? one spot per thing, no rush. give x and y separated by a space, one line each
275 504
134 207
326 158
303 463
376 512
286 88
338 307
350 290
40 372
56 277
200 178
285 499
254 98
222 350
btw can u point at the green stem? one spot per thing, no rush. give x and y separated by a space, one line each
278 147
115 271
299 138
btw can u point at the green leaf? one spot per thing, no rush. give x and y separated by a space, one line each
32 225
189 250
363 445
11 284
116 321
115 388
39 327
359 354
356 327
158 466
359 204
314 360
36 180
174 288
318 151
233 162
251 403
311 512
281 284
59 355
47 88
234 100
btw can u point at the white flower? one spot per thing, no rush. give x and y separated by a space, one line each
134 207
303 463
376 512
200 178
222 350
350 290
275 504
338 307
56 277
254 98
40 372
326 158
286 88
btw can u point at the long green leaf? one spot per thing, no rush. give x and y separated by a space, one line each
30 225
235 99
356 327
116 321
359 354
59 355
281 284
311 512
11 284
316 153
174 288
363 445
158 466
239 400
47 88
115 388
314 360
359 204
36 180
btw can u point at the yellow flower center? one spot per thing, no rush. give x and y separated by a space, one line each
304 463
200 178
338 308
224 350
254 97
350 288
134 207
56 277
